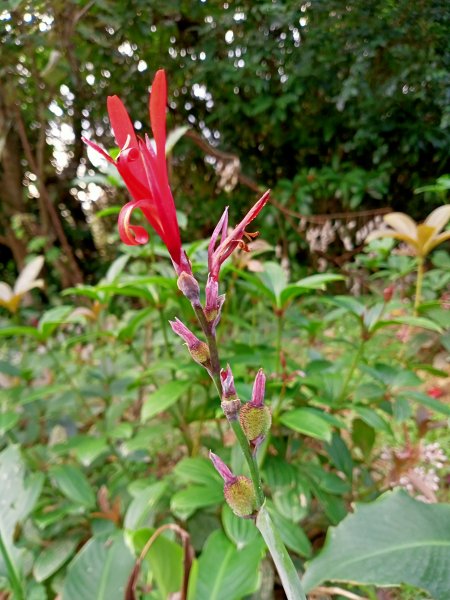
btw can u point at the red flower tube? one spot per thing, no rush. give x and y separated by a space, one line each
144 172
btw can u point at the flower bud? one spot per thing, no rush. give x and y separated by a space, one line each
238 491
254 417
230 402
197 349
213 303
188 285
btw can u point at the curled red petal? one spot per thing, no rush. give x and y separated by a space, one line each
120 122
132 235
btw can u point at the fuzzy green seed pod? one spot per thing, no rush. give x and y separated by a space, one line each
240 496
200 353
255 420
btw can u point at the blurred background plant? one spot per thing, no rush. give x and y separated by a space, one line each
105 425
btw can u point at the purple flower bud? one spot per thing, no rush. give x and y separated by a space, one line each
222 468
230 402
258 389
228 389
197 349
220 230
214 302
188 285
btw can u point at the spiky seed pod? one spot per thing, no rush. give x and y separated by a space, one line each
200 353
240 496
255 421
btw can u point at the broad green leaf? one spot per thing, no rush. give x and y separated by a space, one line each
308 422
185 502
87 448
372 418
18 497
427 401
348 303
8 420
129 330
340 455
197 470
54 317
225 573
116 268
52 558
293 502
278 473
240 531
164 397
165 559
274 279
139 512
307 284
41 393
73 483
363 436
19 330
100 570
393 541
413 321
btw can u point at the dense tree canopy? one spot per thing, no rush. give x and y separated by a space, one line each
333 105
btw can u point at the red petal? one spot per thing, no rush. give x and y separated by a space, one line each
158 102
98 149
120 122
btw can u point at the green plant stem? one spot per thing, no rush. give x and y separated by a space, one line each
213 350
13 575
280 325
419 283
235 425
356 358
285 567
164 332
252 464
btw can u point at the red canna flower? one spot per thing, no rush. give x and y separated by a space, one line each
144 172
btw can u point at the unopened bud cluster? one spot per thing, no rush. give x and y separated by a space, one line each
255 418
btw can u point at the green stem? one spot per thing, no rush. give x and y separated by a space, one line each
250 459
356 358
13 575
235 425
419 283
285 567
164 332
213 350
280 324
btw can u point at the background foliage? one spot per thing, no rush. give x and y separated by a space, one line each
334 106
